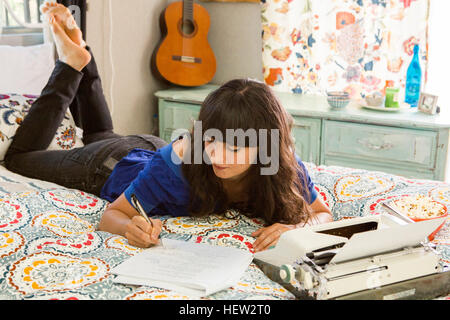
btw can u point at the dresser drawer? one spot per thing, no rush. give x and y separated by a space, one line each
306 135
405 171
380 144
176 116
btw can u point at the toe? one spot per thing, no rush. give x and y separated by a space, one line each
62 14
62 7
45 7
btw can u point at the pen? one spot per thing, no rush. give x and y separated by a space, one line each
139 209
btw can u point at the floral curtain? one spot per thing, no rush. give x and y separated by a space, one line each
314 46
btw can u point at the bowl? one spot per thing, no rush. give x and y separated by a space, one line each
375 99
444 212
433 234
338 99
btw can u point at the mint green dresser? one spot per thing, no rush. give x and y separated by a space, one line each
406 143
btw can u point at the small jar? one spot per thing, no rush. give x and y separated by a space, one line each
392 98
389 84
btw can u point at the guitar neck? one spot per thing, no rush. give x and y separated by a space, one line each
188 10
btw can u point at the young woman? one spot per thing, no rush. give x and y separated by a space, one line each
168 179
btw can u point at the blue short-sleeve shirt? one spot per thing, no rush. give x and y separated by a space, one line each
157 182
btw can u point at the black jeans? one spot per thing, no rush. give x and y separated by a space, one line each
85 168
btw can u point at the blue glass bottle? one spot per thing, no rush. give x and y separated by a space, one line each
413 80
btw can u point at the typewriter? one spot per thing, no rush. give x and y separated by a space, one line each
376 257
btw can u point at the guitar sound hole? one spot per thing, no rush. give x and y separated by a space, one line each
187 27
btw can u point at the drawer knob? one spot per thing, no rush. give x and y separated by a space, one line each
372 146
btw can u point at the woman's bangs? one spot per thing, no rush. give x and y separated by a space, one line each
233 113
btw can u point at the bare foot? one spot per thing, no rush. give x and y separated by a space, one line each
65 19
68 51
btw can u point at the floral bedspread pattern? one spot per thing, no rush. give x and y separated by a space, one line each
50 249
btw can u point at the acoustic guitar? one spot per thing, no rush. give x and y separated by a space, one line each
184 56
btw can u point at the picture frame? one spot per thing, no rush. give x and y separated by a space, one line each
427 103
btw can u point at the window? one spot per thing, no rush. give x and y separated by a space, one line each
439 66
20 16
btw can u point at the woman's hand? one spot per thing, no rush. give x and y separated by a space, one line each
140 233
269 236
122 218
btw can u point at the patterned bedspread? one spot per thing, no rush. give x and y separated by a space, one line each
50 249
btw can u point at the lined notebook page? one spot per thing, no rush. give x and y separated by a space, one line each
186 267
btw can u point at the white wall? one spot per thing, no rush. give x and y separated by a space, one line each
123 35
235 37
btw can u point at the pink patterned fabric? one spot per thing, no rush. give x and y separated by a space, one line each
317 46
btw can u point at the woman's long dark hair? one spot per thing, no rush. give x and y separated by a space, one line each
248 104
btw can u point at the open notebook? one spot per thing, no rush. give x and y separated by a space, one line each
188 268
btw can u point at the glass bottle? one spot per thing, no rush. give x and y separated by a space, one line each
413 80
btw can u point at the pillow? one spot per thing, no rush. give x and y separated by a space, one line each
14 108
26 70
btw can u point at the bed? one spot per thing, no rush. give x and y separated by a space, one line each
50 248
